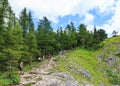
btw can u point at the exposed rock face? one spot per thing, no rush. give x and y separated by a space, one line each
79 70
102 84
58 79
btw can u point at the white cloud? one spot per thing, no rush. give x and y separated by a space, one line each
50 8
54 9
88 18
114 22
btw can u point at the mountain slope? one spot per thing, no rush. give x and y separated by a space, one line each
98 68
83 65
109 57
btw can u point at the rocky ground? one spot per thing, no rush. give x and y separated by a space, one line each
43 77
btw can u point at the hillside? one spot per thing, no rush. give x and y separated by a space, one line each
79 67
109 57
83 65
97 68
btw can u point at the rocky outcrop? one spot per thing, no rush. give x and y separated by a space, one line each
58 79
109 56
77 69
110 60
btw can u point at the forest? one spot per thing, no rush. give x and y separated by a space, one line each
21 40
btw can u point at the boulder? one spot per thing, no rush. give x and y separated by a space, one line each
111 60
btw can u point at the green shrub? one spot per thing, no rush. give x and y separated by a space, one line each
14 79
4 82
113 77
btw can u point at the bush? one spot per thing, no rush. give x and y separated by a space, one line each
4 82
113 77
14 79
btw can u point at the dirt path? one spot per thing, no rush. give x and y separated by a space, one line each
37 74
42 76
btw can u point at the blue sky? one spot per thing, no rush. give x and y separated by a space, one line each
104 14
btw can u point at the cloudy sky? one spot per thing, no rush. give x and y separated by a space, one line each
105 14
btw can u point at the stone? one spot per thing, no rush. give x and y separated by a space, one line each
101 84
111 61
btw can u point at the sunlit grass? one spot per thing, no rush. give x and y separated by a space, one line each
86 60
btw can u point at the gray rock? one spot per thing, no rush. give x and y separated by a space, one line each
84 72
111 60
101 84
58 79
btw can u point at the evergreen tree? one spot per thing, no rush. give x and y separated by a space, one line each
82 35
3 6
114 33
58 39
11 19
45 36
101 35
13 51
98 36
24 22
72 35
31 39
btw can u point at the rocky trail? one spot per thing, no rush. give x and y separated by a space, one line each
42 76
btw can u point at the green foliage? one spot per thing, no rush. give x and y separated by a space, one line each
4 82
90 40
14 79
39 78
113 77
29 84
24 22
71 36
82 35
45 37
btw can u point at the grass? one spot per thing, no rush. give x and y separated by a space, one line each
28 84
86 60
30 66
39 78
6 81
111 48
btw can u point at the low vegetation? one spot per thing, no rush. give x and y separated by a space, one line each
110 57
82 59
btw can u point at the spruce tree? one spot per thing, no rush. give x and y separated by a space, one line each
24 22
82 35
45 36
31 39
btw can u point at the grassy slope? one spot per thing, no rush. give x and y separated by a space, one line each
88 60
85 60
111 48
